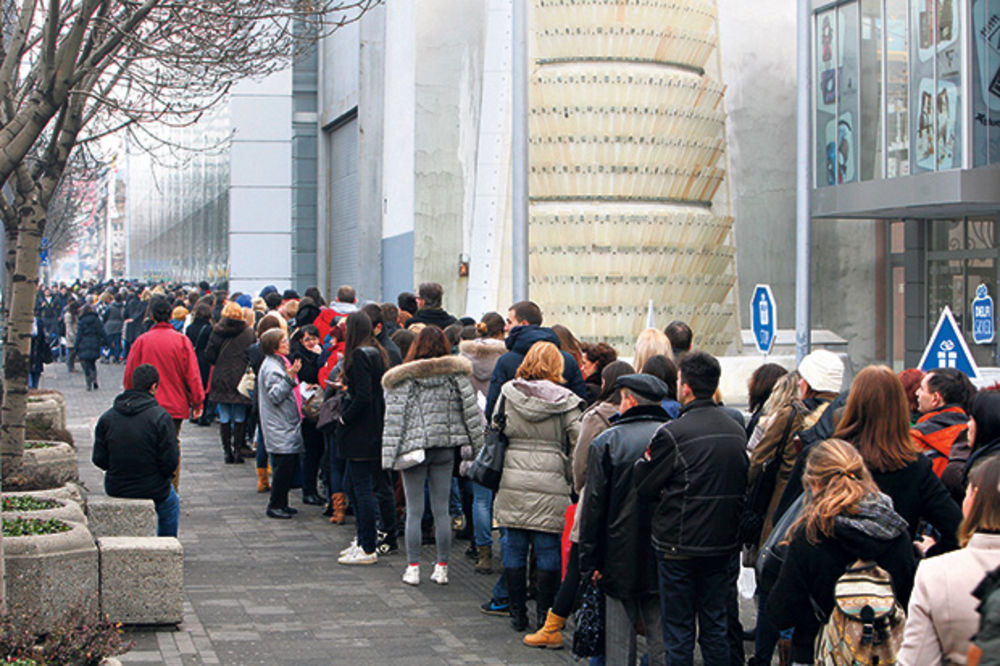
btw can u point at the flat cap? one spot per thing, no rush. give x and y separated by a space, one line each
648 386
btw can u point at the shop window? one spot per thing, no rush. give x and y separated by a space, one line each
985 91
871 137
837 98
897 89
936 87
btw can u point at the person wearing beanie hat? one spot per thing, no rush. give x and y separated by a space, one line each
614 538
245 301
823 371
177 317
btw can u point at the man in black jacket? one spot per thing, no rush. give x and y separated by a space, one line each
429 311
695 471
135 442
614 532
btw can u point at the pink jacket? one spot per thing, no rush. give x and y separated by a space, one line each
173 356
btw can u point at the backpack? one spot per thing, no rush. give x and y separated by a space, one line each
865 627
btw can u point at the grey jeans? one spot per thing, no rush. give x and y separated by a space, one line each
620 636
436 471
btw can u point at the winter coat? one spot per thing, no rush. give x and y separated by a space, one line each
429 404
595 420
917 494
227 352
197 332
614 530
359 437
135 442
812 570
90 337
180 382
70 322
979 455
518 342
309 372
942 617
943 436
39 353
696 475
391 348
114 319
803 415
135 311
543 422
483 353
279 412
432 317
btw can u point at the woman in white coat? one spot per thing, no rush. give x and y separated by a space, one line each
942 618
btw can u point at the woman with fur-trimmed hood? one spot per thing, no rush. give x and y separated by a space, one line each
430 412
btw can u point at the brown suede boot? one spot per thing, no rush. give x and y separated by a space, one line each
550 635
484 559
339 508
262 484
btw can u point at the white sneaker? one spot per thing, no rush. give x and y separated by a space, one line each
350 548
358 556
440 575
412 574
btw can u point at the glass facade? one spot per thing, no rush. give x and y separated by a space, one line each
889 94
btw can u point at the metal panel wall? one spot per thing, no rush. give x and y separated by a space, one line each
342 205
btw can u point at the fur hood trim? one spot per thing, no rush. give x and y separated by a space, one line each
482 348
424 368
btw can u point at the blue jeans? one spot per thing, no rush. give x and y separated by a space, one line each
482 515
696 588
363 477
455 500
33 379
168 515
231 412
515 549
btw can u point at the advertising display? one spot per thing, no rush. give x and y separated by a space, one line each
935 66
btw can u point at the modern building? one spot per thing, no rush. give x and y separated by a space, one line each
906 127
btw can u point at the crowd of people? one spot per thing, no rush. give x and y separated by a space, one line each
869 510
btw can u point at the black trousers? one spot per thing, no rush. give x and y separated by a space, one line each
283 466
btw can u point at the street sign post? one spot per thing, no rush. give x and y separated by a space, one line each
983 328
947 348
764 317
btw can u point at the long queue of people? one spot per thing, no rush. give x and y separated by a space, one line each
871 515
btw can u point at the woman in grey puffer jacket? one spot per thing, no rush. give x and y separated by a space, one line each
542 424
430 406
280 404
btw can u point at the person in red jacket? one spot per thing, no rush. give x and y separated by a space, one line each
172 354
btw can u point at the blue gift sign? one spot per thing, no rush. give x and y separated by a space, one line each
983 328
764 317
947 348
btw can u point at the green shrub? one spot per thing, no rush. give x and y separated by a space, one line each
16 527
37 445
28 503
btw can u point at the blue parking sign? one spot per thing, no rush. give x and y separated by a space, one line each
983 329
763 317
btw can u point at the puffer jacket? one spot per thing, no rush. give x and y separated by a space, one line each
279 413
614 531
483 353
429 404
543 423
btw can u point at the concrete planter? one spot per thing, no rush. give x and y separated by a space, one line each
48 404
67 510
70 492
47 468
53 573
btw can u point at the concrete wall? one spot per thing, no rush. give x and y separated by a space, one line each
260 193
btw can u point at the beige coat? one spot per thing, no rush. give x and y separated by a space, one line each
942 616
543 422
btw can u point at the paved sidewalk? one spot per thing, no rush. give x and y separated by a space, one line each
263 591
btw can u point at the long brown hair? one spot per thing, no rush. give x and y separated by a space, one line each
984 514
876 420
838 479
430 343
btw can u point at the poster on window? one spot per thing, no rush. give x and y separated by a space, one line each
935 75
935 33
936 125
986 81
839 150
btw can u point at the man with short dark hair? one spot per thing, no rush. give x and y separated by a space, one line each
180 390
135 442
390 317
374 312
695 475
347 301
430 295
941 432
680 336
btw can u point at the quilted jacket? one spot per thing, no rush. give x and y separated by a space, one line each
429 403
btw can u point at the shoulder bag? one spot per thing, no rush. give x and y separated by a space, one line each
761 491
487 468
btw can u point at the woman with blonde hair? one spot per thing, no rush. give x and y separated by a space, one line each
844 519
542 423
876 421
650 342
227 351
942 615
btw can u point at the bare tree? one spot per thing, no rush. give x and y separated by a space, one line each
72 71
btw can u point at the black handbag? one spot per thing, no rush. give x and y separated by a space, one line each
588 637
488 465
775 549
761 491
330 412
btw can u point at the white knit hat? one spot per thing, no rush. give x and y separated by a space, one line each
823 370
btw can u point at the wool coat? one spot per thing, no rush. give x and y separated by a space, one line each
227 352
359 437
543 424
429 404
90 337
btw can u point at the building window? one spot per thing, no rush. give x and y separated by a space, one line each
936 86
985 92
837 99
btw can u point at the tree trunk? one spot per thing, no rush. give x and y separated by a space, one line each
17 351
